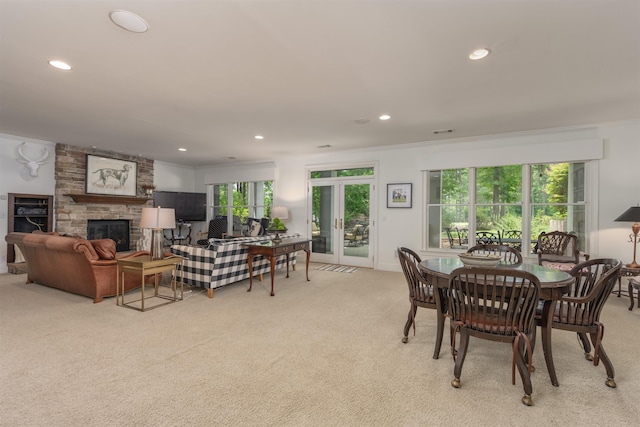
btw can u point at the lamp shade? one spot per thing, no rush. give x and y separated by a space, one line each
158 218
280 212
630 215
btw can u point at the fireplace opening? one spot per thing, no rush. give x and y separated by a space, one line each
115 229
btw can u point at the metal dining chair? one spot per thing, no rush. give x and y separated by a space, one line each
421 294
495 304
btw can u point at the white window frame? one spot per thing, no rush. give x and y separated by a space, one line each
590 202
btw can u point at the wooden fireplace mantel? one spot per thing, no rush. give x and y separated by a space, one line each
104 198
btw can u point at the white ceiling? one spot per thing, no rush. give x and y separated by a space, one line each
209 75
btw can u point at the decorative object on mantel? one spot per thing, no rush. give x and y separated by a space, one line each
277 226
147 189
157 219
31 165
632 215
100 198
110 176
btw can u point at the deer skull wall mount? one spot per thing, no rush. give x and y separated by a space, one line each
31 165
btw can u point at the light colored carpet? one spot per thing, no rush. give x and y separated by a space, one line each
323 353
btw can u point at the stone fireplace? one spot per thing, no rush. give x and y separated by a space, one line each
114 229
72 217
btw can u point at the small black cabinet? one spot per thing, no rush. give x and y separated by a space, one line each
27 213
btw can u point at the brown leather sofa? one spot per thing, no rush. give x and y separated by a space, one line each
73 264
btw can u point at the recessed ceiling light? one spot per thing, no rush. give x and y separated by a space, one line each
128 21
479 54
259 137
324 146
60 65
182 149
384 117
231 158
362 121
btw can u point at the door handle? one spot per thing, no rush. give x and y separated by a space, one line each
340 223
335 223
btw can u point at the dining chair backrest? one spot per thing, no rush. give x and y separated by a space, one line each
512 238
494 301
510 256
486 237
558 247
495 304
595 279
419 289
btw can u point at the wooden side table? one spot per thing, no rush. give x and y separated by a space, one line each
626 271
143 266
634 283
271 251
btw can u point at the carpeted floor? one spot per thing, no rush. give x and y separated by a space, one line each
322 353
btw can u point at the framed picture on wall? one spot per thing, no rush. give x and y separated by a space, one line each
399 195
110 176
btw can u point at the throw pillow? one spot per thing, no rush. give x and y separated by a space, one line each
255 228
105 248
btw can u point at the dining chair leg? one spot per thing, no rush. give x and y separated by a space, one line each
439 334
586 346
525 376
611 373
546 322
407 325
462 353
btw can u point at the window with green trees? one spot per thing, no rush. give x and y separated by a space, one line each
241 200
505 204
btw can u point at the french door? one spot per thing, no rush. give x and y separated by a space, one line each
341 222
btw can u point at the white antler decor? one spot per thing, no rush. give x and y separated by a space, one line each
32 165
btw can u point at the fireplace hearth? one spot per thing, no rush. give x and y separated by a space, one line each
115 229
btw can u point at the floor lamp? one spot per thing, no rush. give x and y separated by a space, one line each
157 219
632 215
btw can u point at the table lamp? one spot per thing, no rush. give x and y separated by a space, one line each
632 215
157 219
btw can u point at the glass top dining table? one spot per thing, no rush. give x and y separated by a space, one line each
553 284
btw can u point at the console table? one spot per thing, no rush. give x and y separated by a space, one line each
271 251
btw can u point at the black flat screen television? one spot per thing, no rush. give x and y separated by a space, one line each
188 206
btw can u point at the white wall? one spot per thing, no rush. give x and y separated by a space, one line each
172 177
617 188
15 179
